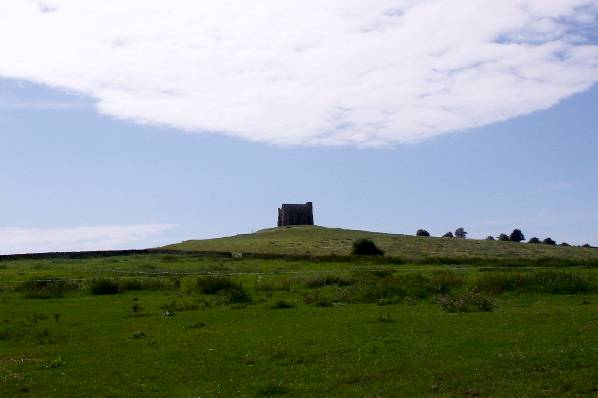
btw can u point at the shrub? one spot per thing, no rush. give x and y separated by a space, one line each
516 236
175 306
565 244
539 282
48 288
213 284
534 240
328 279
414 285
374 290
366 247
422 232
468 302
549 241
273 284
499 282
460 233
444 281
235 295
489 237
145 284
102 286
560 283
317 299
503 237
448 235
281 304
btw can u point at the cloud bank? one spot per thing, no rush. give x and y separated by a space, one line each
311 72
36 240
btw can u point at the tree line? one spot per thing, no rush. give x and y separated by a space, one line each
515 236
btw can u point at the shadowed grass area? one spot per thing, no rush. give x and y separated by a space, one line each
320 241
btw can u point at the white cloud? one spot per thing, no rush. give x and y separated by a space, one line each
35 240
307 72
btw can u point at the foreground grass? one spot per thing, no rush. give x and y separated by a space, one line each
178 342
308 240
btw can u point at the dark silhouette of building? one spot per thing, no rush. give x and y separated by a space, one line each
295 214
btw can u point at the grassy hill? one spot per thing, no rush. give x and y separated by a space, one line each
308 240
184 325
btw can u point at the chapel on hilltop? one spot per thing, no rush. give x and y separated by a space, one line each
295 214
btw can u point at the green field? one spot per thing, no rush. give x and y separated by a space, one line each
184 325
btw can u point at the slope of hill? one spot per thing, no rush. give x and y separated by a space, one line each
308 240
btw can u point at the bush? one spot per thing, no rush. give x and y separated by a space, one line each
534 240
317 299
422 232
538 282
145 284
366 247
516 236
236 295
281 304
444 281
468 302
102 286
460 233
549 241
273 284
49 288
565 244
328 279
448 235
489 237
503 237
213 284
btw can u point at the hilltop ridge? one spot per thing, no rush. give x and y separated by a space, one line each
317 240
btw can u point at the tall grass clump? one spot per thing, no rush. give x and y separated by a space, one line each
445 281
226 290
554 282
328 280
213 284
467 302
103 286
46 288
270 284
127 284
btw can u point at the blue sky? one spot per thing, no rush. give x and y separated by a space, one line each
64 166
160 127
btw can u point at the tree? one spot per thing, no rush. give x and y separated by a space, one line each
489 237
448 235
534 240
422 232
460 233
565 244
366 247
516 236
503 237
549 241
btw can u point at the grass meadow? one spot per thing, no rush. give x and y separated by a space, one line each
180 325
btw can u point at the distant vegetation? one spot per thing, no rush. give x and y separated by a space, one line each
366 247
